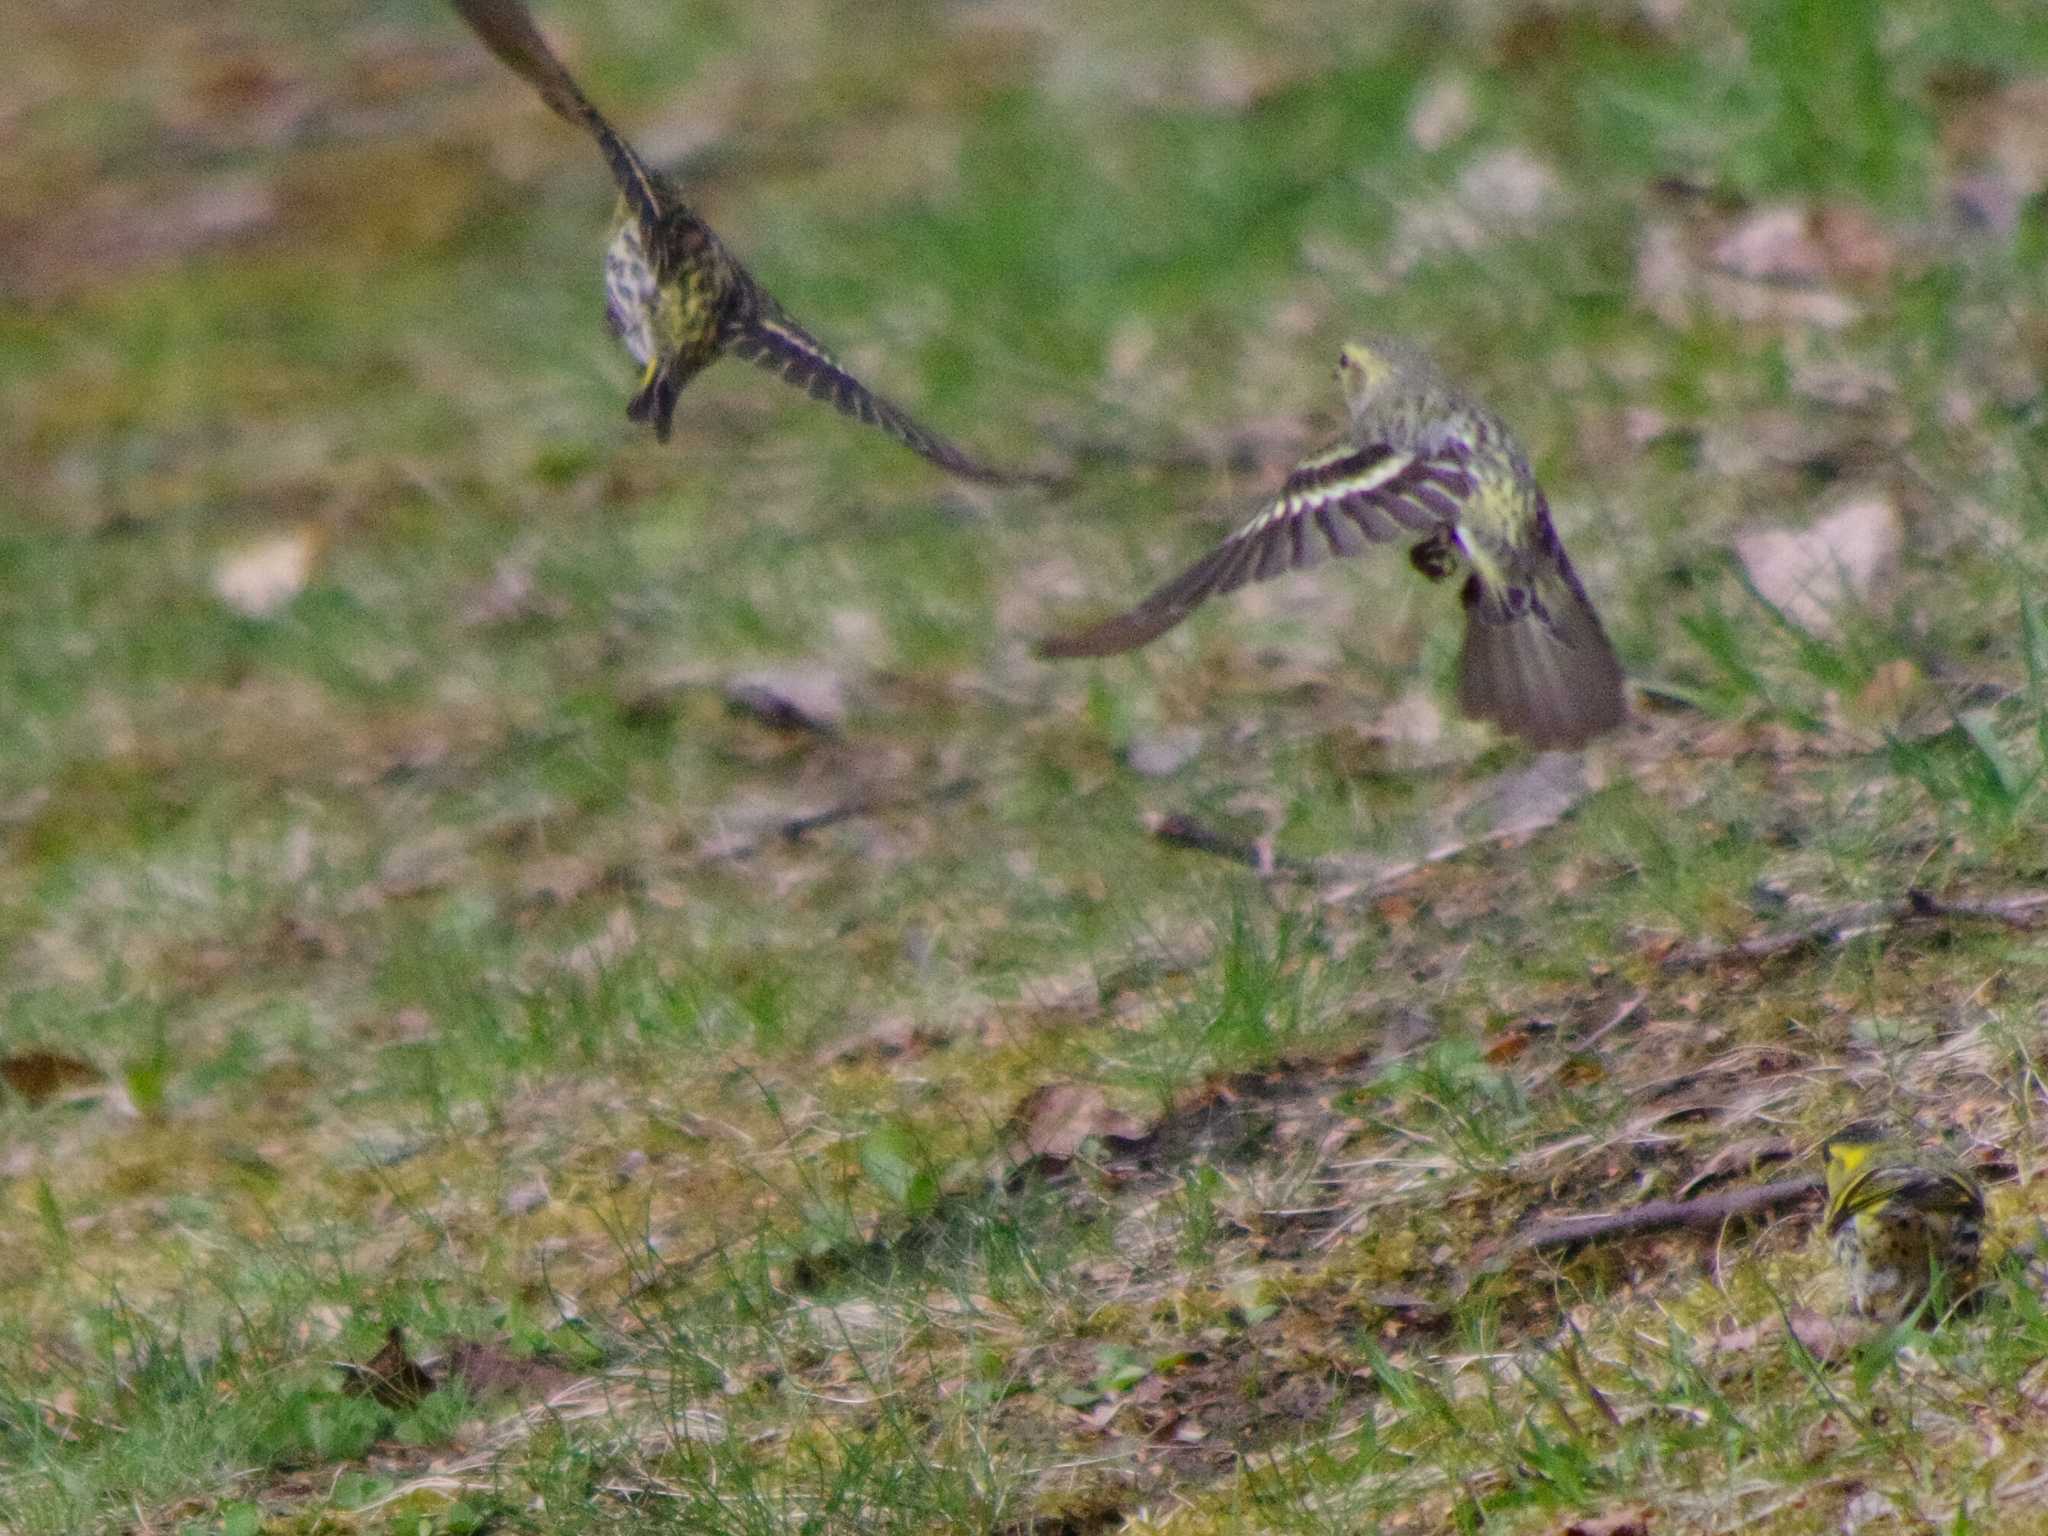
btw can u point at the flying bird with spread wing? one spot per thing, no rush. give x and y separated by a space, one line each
673 294
1422 460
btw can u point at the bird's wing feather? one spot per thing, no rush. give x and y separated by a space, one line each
506 28
1336 502
1921 1187
762 333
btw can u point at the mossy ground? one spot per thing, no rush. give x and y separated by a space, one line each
442 950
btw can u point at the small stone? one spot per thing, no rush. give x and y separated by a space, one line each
1444 112
1162 754
1805 573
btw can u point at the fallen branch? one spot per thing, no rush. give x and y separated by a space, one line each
1705 1214
1182 831
2020 910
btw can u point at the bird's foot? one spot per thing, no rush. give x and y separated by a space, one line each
1436 557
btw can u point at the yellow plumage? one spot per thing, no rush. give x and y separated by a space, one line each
674 296
1422 461
1896 1217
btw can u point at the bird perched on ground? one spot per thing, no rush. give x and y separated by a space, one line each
1422 460
673 294
1895 1215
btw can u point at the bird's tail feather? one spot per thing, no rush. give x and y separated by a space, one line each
1538 664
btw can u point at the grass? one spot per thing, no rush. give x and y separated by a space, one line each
442 951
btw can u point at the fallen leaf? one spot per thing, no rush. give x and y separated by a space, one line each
431 863
1997 147
511 596
1868 1505
1443 112
39 1076
1522 800
1889 690
791 698
1057 1119
596 955
1162 754
391 1376
1509 184
486 1371
1806 573
1631 1521
1822 1337
1856 245
1511 1043
559 880
259 579
890 1038
1767 274
1506 192
1742 1157
1772 245
525 1199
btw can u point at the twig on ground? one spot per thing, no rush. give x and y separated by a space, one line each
795 829
1506 807
1178 830
1703 1214
2021 909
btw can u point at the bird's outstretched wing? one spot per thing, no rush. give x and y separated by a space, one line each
506 28
761 332
1336 503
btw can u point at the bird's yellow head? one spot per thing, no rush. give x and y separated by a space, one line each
1365 371
1845 1153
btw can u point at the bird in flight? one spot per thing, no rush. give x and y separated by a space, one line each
1424 461
674 296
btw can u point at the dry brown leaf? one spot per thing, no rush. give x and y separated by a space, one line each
427 864
391 1376
1057 1119
488 1372
1890 689
560 879
1997 144
1824 1338
890 1038
1857 246
511 596
1767 273
1774 245
1631 1521
791 698
39 1076
1806 573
